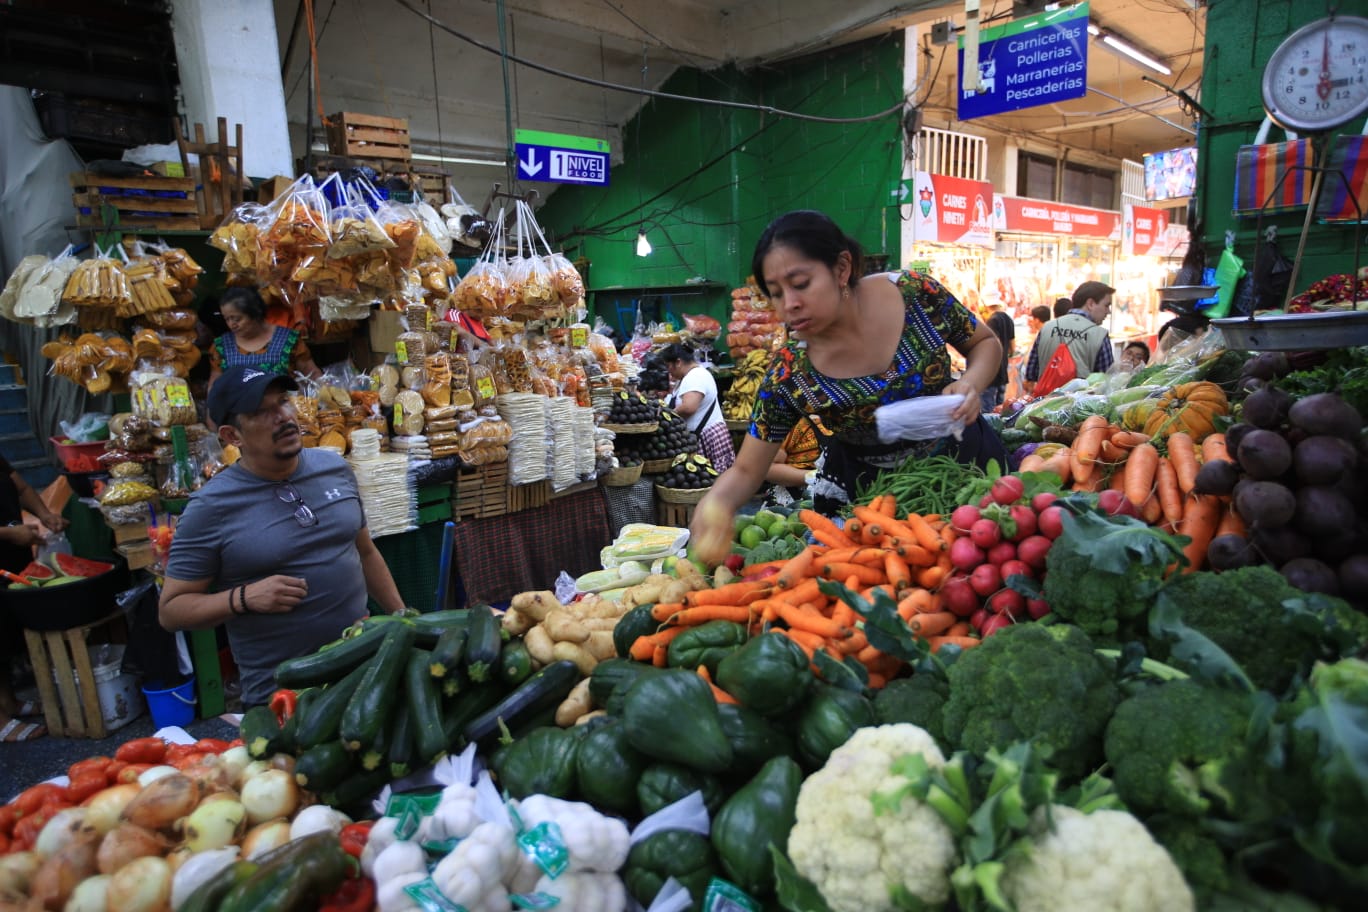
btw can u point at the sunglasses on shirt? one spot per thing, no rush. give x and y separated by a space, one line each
286 493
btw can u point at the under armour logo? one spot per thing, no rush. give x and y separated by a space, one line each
332 493
249 375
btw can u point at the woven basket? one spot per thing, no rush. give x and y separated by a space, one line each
631 428
681 495
621 478
657 466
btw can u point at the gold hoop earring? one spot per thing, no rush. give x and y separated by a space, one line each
845 292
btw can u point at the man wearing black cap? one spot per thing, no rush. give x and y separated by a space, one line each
276 545
1080 330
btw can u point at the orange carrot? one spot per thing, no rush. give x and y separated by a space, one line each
926 536
917 601
1032 463
963 642
834 539
853 643
1092 481
888 506
820 524
877 681
1183 454
844 615
872 535
931 577
959 629
1117 482
871 517
1214 447
805 591
739 614
1110 452
720 695
660 656
1087 445
867 655
929 625
1141 466
914 554
853 529
861 555
643 647
1129 440
1060 463
730 594
897 571
804 617
868 576
797 567
662 611
1231 523
1201 516
1151 511
1167 486
809 642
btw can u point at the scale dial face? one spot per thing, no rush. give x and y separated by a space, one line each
1317 79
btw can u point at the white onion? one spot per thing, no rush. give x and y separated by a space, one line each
235 760
90 895
61 829
143 885
316 819
272 793
264 837
214 825
197 871
17 870
152 774
163 802
104 810
255 768
128 842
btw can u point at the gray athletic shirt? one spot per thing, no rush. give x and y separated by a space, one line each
236 530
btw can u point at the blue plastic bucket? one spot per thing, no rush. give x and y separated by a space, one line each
172 706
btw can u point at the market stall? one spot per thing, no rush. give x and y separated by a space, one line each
952 233
1047 249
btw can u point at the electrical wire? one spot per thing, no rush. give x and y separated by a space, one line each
323 28
1126 104
650 93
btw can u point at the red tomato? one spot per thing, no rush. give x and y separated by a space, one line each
142 750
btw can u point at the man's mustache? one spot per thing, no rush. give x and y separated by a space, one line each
285 431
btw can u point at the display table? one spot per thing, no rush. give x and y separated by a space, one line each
498 557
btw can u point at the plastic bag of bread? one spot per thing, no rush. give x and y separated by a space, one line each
181 267
98 283
239 237
174 319
149 288
408 413
489 455
353 227
297 232
566 280
385 380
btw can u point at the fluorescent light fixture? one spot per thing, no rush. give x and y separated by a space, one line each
422 156
643 247
1123 47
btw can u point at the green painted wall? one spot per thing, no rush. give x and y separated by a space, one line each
1240 37
705 180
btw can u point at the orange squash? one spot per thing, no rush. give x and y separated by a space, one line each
1191 407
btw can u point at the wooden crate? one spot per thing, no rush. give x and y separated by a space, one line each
162 203
431 182
529 496
368 136
480 492
59 658
128 533
673 514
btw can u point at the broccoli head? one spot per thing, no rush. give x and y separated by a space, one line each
1033 682
1179 747
919 700
1104 571
1270 629
1198 855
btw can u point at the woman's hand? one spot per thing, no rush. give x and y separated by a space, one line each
55 522
968 410
712 529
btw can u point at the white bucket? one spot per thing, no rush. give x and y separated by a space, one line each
120 696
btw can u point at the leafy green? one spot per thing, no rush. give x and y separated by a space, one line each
1344 372
795 892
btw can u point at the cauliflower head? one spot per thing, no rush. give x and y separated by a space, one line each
1105 861
858 859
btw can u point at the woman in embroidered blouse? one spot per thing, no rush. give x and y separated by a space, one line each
855 344
253 342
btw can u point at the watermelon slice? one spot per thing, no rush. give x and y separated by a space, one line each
69 565
38 571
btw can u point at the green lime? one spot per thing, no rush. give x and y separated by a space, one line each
751 536
768 519
744 520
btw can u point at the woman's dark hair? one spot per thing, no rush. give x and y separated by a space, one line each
1041 313
246 300
1141 347
653 380
676 351
1062 306
813 235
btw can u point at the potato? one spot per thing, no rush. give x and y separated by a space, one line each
536 605
591 716
601 608
686 571
673 592
574 705
516 623
576 653
722 576
596 623
565 627
539 645
600 645
644 593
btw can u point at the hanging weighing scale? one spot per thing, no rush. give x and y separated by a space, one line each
1314 82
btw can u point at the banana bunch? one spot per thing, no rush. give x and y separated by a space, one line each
739 400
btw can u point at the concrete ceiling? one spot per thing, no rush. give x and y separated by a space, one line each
379 57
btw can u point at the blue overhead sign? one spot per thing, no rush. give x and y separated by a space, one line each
1034 61
559 158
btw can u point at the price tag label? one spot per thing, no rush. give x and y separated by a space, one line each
579 336
398 414
410 811
546 846
430 899
401 351
486 387
427 321
455 340
534 901
724 896
178 395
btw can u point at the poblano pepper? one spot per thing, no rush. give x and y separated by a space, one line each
687 857
761 813
608 768
828 720
770 674
672 716
662 784
707 644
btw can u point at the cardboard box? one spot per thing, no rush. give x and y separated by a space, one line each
138 555
168 169
272 187
384 330
129 532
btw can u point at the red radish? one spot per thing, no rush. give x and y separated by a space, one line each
1025 519
965 555
1008 602
1043 500
985 580
985 533
1051 523
1008 490
734 563
994 624
1115 503
1033 551
1012 568
964 517
980 618
1037 608
985 500
958 597
1001 553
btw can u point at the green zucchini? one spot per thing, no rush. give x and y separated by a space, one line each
322 768
471 702
376 754
375 697
515 663
331 664
548 686
400 748
358 788
635 623
260 732
319 721
446 655
425 706
482 646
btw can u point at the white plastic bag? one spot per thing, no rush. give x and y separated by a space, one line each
923 418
